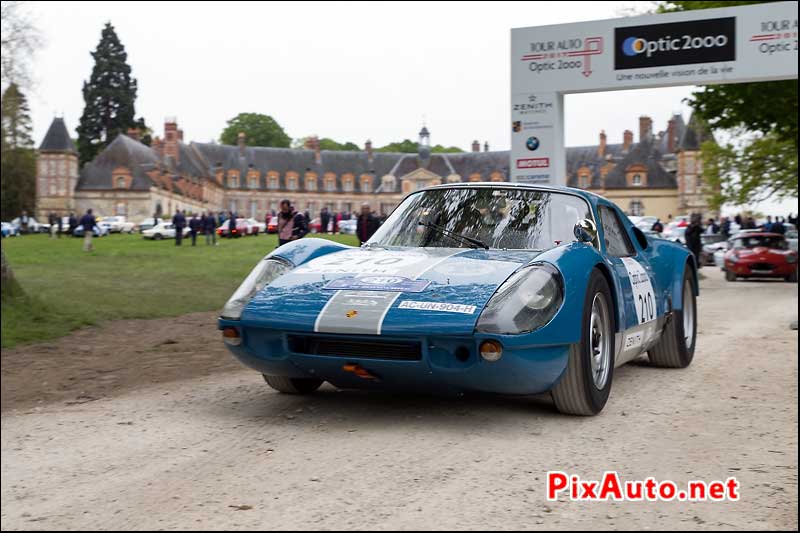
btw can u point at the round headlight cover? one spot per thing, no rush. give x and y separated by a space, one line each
266 271
528 300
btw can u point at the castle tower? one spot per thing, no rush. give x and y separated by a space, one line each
56 172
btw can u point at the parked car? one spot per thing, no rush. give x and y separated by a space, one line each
791 236
348 227
675 232
98 231
760 255
255 227
117 224
163 230
9 230
272 227
315 226
34 226
710 244
550 293
240 230
149 223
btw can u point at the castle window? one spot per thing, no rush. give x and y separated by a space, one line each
274 182
584 181
121 209
330 183
252 182
120 181
311 183
636 180
636 208
233 182
291 183
366 184
347 183
53 187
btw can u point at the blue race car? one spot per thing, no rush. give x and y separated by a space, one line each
503 288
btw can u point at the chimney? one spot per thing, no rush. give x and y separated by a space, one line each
627 140
317 153
171 138
368 148
476 146
133 133
180 135
486 146
601 148
671 133
645 128
241 141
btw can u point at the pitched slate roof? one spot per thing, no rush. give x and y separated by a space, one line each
57 138
696 133
122 152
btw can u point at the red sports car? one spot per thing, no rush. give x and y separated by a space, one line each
760 255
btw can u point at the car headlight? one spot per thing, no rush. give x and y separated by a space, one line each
525 302
266 271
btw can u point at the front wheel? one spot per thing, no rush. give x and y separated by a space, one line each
157 237
586 383
792 278
730 276
293 385
675 348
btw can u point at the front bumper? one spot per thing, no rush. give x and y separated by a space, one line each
767 270
445 363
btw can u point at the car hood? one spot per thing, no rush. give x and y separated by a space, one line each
369 291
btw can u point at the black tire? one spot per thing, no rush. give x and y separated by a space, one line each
792 278
576 392
157 237
730 276
293 385
672 350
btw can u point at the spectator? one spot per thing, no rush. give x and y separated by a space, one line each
88 223
366 225
178 222
291 224
692 237
210 228
73 223
324 220
658 227
59 225
712 228
51 219
194 227
778 226
24 220
725 228
231 224
750 223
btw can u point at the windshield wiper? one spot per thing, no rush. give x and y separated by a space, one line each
452 234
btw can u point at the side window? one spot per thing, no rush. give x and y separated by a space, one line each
617 242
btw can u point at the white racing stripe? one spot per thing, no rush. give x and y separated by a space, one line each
363 312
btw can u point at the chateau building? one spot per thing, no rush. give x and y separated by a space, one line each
659 175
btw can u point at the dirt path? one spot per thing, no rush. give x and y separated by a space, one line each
223 451
96 362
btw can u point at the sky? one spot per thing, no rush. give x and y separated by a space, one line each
350 71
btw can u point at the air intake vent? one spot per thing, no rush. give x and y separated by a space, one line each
336 347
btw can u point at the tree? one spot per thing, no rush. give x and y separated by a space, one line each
765 114
410 147
109 96
259 130
17 157
19 40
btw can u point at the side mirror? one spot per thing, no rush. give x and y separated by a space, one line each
585 231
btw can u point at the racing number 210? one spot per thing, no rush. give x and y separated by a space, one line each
647 306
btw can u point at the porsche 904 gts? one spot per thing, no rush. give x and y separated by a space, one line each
504 288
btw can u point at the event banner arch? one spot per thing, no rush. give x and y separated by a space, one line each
711 46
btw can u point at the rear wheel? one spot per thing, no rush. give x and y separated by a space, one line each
675 349
157 237
293 385
586 383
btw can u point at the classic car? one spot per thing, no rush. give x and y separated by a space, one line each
761 255
503 288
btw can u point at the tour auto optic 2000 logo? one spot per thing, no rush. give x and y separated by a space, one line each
675 43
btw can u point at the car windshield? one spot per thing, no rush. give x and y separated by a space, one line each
766 241
497 217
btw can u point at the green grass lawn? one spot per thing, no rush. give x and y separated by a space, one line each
125 277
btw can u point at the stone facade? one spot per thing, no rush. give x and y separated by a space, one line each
658 175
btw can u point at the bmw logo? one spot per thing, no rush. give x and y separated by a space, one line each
633 46
532 143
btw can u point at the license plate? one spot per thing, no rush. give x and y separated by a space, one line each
756 271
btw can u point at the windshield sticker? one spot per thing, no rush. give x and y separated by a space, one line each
437 306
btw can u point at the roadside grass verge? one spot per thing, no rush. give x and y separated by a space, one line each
125 277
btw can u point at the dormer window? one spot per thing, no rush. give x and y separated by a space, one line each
119 182
636 180
366 184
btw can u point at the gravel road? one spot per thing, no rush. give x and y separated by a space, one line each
224 451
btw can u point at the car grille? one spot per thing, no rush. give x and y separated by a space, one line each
336 347
762 266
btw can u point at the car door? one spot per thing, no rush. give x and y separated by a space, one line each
635 286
